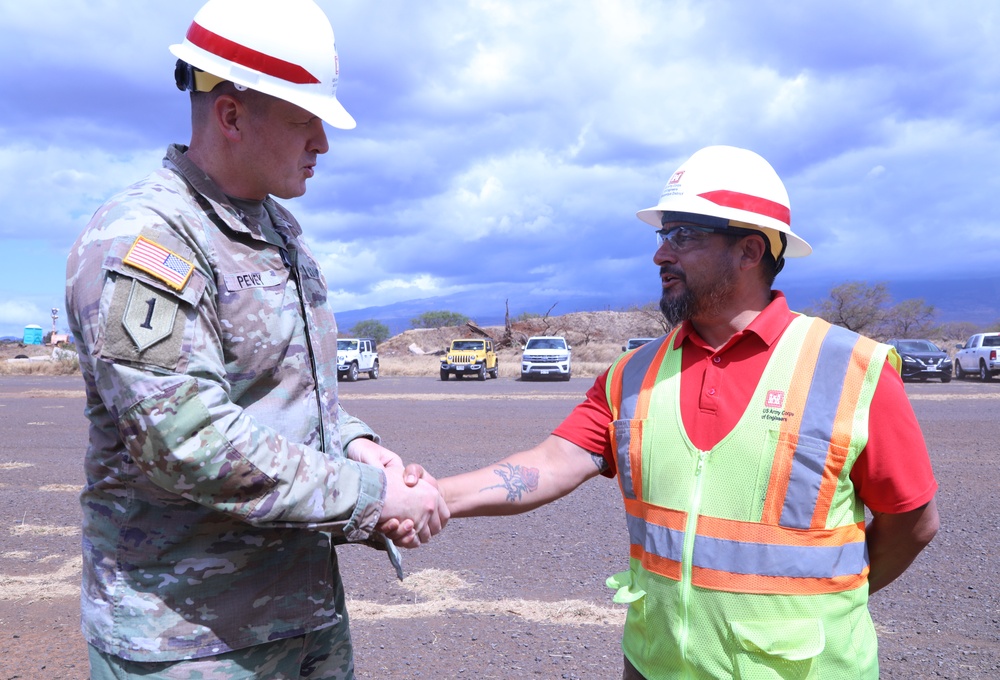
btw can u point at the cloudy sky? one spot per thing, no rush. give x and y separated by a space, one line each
504 146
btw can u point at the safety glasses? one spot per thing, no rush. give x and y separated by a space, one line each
683 237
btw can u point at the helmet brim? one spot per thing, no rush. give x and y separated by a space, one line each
325 106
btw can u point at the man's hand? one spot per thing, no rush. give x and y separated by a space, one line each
404 531
368 452
412 513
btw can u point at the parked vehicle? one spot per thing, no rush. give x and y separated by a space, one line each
544 356
922 359
355 356
470 356
635 342
978 356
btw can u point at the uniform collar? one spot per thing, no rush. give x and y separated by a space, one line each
178 161
768 325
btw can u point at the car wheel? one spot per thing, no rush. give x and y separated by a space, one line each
373 374
984 373
946 378
495 373
567 376
959 373
352 373
444 375
482 371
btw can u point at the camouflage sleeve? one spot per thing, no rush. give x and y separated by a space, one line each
173 407
351 428
188 438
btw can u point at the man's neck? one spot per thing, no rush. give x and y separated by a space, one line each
717 329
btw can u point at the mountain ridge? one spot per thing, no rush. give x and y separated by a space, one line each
975 300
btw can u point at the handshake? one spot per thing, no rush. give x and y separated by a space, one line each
414 509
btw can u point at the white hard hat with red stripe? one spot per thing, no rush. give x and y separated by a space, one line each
735 185
285 49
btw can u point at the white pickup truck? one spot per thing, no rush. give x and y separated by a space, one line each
978 356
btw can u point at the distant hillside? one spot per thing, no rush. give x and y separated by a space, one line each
974 300
579 329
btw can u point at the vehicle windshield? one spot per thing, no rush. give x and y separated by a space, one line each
546 343
637 342
918 346
991 341
347 344
467 344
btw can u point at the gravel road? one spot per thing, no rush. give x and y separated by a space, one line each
510 597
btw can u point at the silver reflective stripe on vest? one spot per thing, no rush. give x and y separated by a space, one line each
632 375
779 560
654 539
818 417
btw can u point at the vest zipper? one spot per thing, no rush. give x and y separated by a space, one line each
690 532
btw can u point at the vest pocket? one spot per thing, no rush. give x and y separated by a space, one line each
777 650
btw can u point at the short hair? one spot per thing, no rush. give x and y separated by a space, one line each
201 102
768 265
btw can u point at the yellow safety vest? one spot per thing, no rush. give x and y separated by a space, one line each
749 560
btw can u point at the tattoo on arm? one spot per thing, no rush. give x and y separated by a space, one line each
517 480
602 465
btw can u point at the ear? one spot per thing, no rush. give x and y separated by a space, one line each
752 250
229 115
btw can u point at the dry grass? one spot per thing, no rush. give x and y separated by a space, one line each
41 359
434 594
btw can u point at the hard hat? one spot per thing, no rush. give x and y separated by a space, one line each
735 185
285 49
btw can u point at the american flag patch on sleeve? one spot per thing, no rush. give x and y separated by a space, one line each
156 260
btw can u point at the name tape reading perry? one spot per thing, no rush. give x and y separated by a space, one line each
157 261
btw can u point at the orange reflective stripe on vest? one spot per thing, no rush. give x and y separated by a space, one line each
802 486
634 370
748 557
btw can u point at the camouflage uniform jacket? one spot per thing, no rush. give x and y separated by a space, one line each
216 479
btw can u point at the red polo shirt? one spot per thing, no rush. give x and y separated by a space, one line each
893 473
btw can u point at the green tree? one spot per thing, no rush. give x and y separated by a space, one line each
438 319
857 306
370 328
911 318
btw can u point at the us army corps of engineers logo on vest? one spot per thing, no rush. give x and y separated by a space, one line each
774 403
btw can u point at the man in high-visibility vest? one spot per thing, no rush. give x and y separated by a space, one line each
747 444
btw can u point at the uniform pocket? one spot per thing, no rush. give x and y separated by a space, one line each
777 650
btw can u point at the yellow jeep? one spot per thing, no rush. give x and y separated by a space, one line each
470 357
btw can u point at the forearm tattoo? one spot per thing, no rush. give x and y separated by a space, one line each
517 480
602 465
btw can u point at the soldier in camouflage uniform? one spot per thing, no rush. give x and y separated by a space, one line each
221 469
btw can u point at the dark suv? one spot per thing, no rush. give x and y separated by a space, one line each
922 359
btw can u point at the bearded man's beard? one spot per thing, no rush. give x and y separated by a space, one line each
700 299
677 308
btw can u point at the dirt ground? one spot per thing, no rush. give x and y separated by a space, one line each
511 597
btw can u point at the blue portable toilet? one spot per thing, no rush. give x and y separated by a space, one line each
32 335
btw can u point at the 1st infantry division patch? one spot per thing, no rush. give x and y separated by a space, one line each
154 259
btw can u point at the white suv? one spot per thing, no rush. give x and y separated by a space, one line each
354 356
546 355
